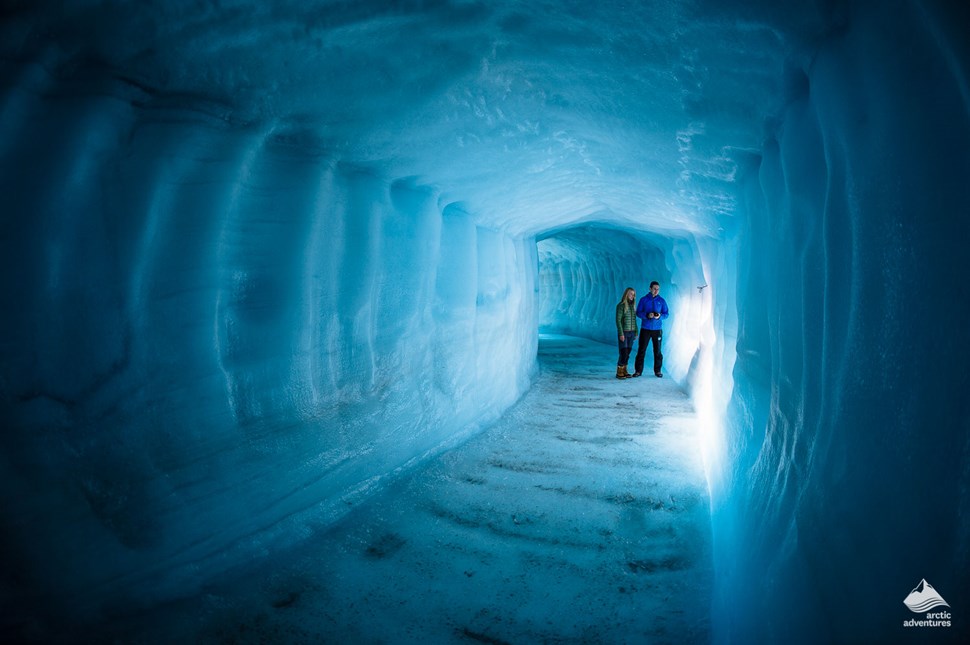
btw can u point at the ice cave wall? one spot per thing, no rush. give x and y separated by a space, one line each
223 323
208 315
847 436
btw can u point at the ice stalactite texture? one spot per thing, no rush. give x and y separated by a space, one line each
257 259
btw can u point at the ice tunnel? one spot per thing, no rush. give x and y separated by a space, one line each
260 259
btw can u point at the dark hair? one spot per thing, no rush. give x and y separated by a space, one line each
654 283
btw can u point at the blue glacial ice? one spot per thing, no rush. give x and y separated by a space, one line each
266 265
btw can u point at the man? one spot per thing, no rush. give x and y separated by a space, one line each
652 309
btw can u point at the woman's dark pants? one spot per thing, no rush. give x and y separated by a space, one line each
626 346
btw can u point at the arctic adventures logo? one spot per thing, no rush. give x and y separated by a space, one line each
923 599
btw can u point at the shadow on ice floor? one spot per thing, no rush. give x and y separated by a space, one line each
580 517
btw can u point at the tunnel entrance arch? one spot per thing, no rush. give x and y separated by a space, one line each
583 271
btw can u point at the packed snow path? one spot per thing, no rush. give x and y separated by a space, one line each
580 517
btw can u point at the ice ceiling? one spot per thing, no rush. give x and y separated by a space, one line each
534 115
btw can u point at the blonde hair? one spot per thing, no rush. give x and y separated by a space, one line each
626 291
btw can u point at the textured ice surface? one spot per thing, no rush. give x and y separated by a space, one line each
581 516
849 434
259 259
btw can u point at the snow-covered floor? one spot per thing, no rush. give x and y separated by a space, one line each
580 517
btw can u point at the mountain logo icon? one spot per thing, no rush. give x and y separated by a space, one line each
924 598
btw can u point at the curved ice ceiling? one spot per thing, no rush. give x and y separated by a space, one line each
533 114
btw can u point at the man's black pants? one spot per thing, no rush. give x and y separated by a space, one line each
658 358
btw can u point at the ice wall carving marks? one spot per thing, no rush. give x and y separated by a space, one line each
257 256
225 324
848 427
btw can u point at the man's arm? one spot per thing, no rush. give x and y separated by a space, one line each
642 309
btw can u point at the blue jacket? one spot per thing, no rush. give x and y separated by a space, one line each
656 305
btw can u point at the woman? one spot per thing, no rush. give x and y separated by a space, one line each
626 326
